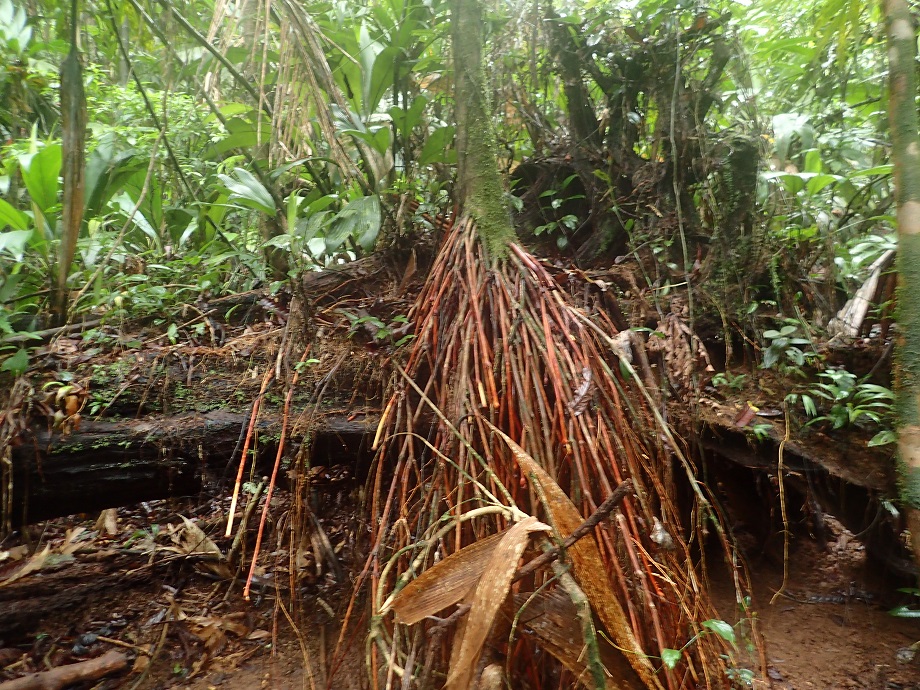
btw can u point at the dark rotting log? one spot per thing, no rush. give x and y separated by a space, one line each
839 476
106 464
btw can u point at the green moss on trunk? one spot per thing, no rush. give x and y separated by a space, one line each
481 192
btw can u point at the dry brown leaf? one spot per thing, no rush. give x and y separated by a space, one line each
142 661
14 554
72 542
108 522
43 559
36 563
487 599
445 583
588 565
683 352
192 541
72 405
231 623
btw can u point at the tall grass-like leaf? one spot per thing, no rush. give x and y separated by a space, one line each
12 217
126 204
14 242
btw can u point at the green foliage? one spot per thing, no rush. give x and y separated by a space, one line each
736 383
851 403
393 332
671 657
785 351
309 167
904 611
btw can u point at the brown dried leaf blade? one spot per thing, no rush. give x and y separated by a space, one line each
588 565
445 583
490 594
550 617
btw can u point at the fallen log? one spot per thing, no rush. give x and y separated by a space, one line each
106 464
64 676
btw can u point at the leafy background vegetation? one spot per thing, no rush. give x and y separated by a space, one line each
227 149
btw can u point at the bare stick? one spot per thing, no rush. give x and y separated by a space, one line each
64 676
239 473
603 510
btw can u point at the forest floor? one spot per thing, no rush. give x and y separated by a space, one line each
149 585
183 627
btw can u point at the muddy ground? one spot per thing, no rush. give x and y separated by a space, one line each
185 624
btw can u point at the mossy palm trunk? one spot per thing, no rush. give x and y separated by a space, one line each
481 193
902 48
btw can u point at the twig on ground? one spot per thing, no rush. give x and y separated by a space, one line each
64 676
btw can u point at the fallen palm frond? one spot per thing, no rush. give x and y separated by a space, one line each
538 411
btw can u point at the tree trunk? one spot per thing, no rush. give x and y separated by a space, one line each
73 136
481 192
902 48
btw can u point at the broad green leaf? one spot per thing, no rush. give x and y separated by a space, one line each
788 125
809 404
819 182
813 162
12 217
379 140
671 657
877 170
14 242
376 69
247 190
241 134
229 110
126 204
308 228
360 219
722 629
323 202
17 363
904 612
406 120
40 172
771 357
434 150
9 288
883 438
367 224
282 241
108 173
